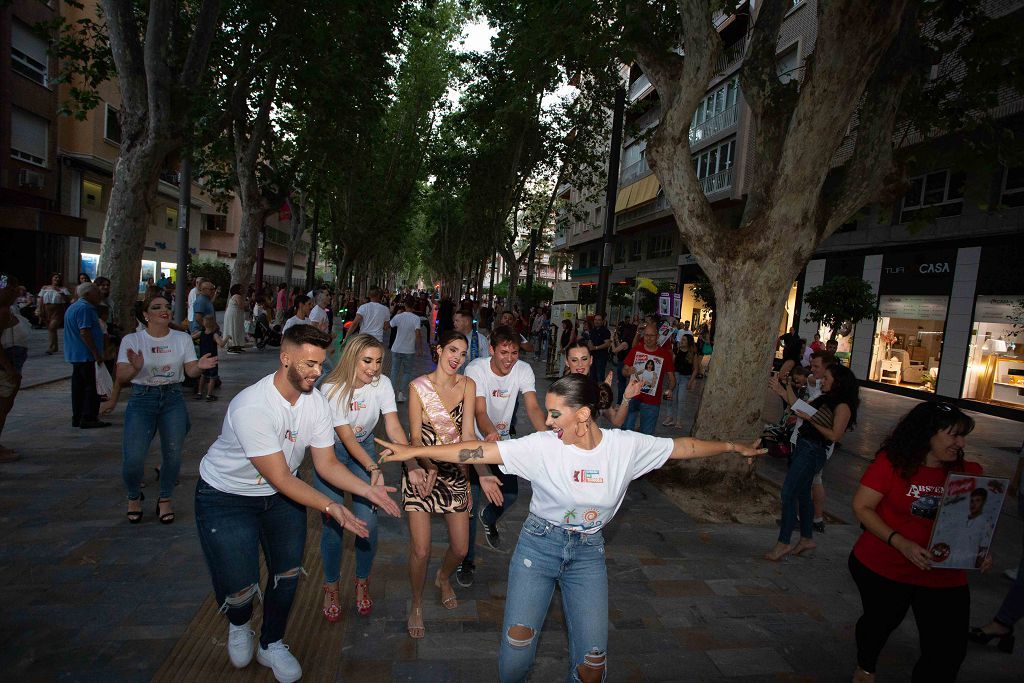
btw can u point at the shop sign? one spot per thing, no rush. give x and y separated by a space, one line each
995 309
927 273
913 307
686 260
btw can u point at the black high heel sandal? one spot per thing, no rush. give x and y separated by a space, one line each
167 517
1003 644
135 516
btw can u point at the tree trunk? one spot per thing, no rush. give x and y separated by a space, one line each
298 228
254 210
129 214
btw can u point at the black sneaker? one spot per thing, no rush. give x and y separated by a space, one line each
819 526
464 574
490 532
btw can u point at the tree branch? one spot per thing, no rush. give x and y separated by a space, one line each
199 47
126 52
871 167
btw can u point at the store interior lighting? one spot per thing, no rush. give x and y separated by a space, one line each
995 346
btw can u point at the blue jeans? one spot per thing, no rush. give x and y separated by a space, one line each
808 459
232 529
647 414
401 371
547 555
330 535
152 409
679 398
491 512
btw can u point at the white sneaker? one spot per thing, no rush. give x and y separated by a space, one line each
240 645
284 665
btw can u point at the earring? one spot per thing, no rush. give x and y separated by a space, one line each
584 429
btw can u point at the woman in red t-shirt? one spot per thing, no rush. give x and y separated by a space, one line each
896 503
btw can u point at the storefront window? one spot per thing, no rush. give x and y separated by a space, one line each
908 341
995 356
148 275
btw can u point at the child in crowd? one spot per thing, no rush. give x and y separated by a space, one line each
209 339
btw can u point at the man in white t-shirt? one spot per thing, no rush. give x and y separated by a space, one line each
372 318
192 294
248 495
406 346
479 347
499 381
318 314
303 307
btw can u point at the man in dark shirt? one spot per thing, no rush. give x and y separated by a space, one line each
600 343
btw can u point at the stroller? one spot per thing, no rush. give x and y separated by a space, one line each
265 334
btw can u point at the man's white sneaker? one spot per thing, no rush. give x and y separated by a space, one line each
284 665
240 645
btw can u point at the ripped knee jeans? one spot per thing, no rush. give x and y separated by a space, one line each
232 529
545 556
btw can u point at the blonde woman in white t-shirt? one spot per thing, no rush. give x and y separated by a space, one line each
580 474
155 361
358 395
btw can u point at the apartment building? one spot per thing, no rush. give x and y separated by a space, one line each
38 234
949 290
55 183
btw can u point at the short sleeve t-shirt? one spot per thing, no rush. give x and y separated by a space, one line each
293 321
909 507
651 369
202 306
367 405
163 358
598 336
374 317
260 421
81 315
500 392
405 323
579 489
317 316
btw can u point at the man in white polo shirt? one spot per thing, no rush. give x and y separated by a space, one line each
248 496
499 381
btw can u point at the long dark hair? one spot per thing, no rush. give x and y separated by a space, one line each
580 391
909 442
845 389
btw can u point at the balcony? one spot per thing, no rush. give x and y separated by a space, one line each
634 171
561 238
648 119
639 88
730 58
643 211
718 123
718 182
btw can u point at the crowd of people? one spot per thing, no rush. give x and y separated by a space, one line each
462 459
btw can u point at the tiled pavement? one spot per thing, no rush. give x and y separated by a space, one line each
88 597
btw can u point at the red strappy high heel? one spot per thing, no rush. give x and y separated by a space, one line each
364 606
332 612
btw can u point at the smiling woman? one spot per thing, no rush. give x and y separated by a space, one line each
155 361
580 475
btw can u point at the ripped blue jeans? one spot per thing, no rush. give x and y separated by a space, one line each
547 555
232 529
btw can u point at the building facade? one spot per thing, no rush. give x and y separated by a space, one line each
947 273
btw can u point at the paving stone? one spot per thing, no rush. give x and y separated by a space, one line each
754 661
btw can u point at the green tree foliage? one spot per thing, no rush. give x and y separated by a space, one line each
217 272
841 302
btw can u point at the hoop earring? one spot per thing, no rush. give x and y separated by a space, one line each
584 429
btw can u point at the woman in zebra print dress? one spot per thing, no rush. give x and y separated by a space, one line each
441 411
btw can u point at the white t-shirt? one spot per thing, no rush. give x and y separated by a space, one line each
500 392
368 404
261 422
295 320
316 316
164 358
192 294
578 489
406 323
374 317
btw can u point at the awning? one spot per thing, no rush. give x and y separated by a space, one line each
640 192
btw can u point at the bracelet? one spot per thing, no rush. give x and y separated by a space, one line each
888 541
732 447
327 508
373 467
